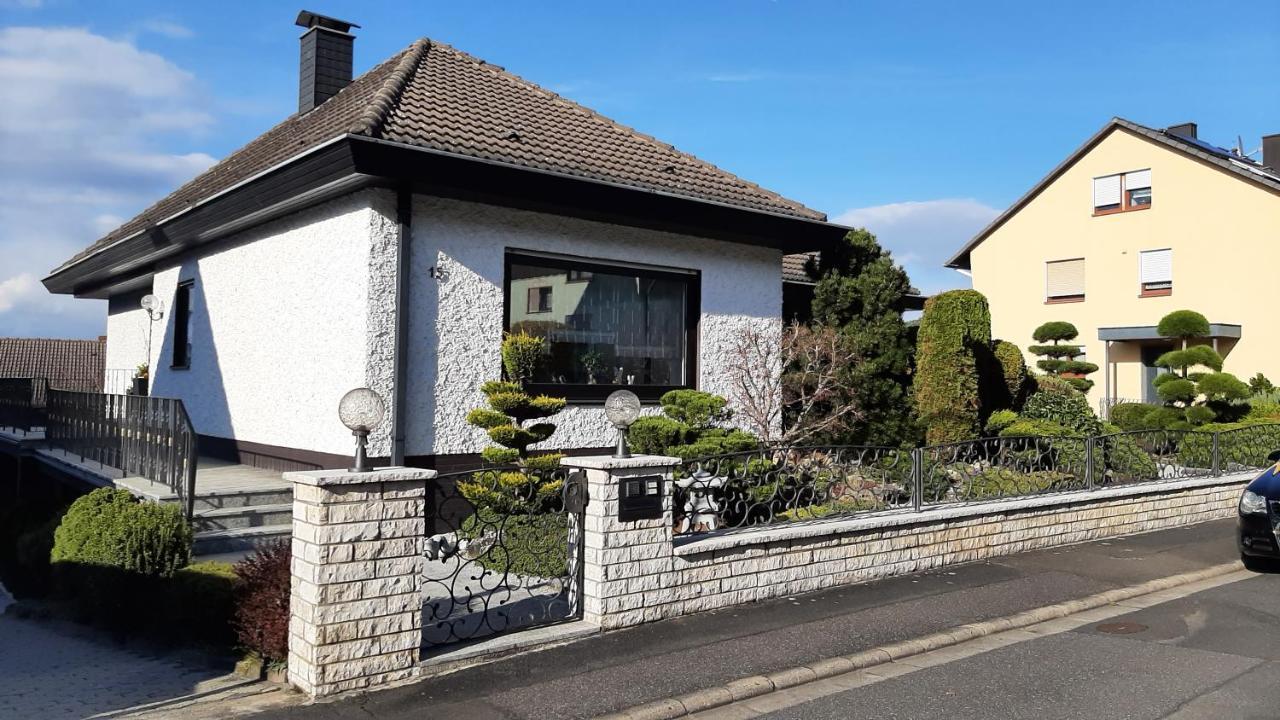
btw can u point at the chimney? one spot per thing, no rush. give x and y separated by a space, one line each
1186 130
1271 151
325 66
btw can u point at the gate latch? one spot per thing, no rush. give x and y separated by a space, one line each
575 492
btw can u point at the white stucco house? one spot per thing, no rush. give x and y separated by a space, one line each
390 232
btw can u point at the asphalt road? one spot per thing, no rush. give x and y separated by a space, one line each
1213 655
618 670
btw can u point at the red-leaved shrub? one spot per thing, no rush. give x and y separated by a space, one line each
262 602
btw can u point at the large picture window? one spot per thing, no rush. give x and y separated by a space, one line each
606 326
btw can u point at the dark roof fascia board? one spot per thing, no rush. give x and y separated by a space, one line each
358 161
960 260
1149 332
469 178
308 178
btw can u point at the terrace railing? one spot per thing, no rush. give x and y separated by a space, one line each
147 436
776 485
22 403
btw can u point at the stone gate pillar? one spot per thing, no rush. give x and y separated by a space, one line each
356 601
623 559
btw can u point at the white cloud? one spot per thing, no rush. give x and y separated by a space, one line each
923 235
16 289
85 121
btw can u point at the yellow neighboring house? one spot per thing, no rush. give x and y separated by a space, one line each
1136 223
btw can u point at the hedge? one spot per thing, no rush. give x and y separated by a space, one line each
534 545
1132 416
954 324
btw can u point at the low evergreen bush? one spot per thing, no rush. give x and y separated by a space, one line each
1132 416
199 604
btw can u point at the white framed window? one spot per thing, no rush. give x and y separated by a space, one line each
1155 272
1064 280
1122 192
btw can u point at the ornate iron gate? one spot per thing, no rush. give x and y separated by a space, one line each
503 552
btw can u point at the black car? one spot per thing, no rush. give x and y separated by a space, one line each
1259 503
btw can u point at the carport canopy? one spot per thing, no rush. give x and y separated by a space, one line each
1148 332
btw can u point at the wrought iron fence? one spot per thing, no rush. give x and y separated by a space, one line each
503 552
147 436
785 484
22 403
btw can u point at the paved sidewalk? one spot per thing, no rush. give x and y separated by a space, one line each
57 670
609 672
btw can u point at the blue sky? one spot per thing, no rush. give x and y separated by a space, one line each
920 120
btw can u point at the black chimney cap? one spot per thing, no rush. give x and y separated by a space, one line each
308 19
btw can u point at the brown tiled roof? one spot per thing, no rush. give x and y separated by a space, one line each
68 364
793 267
433 96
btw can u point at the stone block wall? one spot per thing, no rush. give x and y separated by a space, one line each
639 572
356 595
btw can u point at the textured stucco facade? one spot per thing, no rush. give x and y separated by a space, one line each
456 319
1211 219
127 329
286 318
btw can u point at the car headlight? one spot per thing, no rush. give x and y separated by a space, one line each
1251 503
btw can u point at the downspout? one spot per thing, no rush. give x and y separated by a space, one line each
400 362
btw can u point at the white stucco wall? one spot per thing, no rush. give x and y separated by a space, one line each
127 326
285 319
456 321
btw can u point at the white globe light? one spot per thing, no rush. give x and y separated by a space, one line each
622 407
361 410
150 302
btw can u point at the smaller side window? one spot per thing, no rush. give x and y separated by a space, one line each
182 325
1122 192
1155 272
1064 281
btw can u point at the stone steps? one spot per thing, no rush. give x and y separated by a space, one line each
236 540
245 516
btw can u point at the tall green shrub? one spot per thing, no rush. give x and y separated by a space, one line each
859 290
1017 383
1059 356
954 326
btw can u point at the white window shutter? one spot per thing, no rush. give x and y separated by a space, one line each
1156 266
1137 180
1064 278
1106 191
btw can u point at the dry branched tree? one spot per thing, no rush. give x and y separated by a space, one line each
788 386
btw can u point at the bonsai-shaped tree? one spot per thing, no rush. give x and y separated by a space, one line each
1201 395
507 421
1059 357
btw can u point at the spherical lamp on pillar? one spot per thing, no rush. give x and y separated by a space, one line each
361 410
622 407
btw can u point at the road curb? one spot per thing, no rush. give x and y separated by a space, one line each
757 685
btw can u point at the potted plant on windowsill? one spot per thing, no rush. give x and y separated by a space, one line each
592 363
140 377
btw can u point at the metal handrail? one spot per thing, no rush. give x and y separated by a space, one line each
147 436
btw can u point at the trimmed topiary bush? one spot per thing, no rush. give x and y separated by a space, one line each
1183 324
262 603
690 427
946 388
1057 401
1000 420
199 604
1059 357
1013 371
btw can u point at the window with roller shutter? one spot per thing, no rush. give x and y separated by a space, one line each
1064 281
1122 192
1155 272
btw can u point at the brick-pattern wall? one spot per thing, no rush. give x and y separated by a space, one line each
356 595
635 574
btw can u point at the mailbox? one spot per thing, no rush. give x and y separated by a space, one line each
640 498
